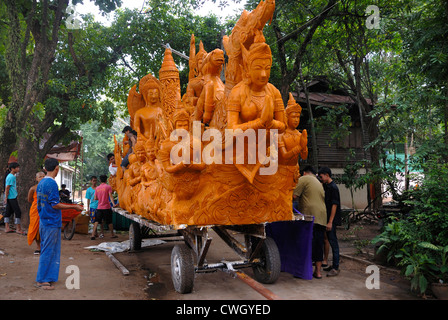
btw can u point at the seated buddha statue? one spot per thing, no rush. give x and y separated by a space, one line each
180 159
145 119
254 103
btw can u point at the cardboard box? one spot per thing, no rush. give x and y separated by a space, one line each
82 224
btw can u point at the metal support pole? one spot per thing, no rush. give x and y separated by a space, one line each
180 54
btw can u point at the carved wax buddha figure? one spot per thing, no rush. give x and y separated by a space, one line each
183 176
213 88
248 26
149 197
134 174
196 78
149 170
254 102
145 119
292 142
181 120
125 194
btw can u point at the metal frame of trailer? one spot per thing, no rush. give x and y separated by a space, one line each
249 242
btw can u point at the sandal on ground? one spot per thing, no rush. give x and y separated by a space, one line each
316 276
9 231
44 286
23 233
37 252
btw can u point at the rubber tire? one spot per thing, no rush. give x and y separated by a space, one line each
69 230
135 237
268 270
182 268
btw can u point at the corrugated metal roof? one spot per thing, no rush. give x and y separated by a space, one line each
325 98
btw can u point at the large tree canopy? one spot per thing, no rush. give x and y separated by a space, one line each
45 99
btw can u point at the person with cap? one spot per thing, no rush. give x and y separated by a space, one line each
333 206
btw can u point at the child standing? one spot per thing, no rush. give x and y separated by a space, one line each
103 194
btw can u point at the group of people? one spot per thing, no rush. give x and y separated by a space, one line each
317 195
99 197
50 223
99 205
46 216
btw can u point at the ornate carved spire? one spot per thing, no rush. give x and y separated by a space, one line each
169 78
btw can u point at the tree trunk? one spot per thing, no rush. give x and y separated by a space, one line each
406 165
315 160
29 160
7 144
15 72
446 123
371 123
375 152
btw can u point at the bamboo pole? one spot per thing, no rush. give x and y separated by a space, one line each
117 263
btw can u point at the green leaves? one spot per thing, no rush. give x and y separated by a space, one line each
429 245
419 240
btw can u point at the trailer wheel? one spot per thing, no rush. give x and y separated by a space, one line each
182 268
268 269
135 237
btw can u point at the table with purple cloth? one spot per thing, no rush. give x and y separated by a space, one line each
294 240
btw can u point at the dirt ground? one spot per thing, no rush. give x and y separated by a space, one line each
150 274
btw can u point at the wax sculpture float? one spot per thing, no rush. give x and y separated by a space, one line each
238 164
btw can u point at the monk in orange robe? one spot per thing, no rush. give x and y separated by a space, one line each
33 228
